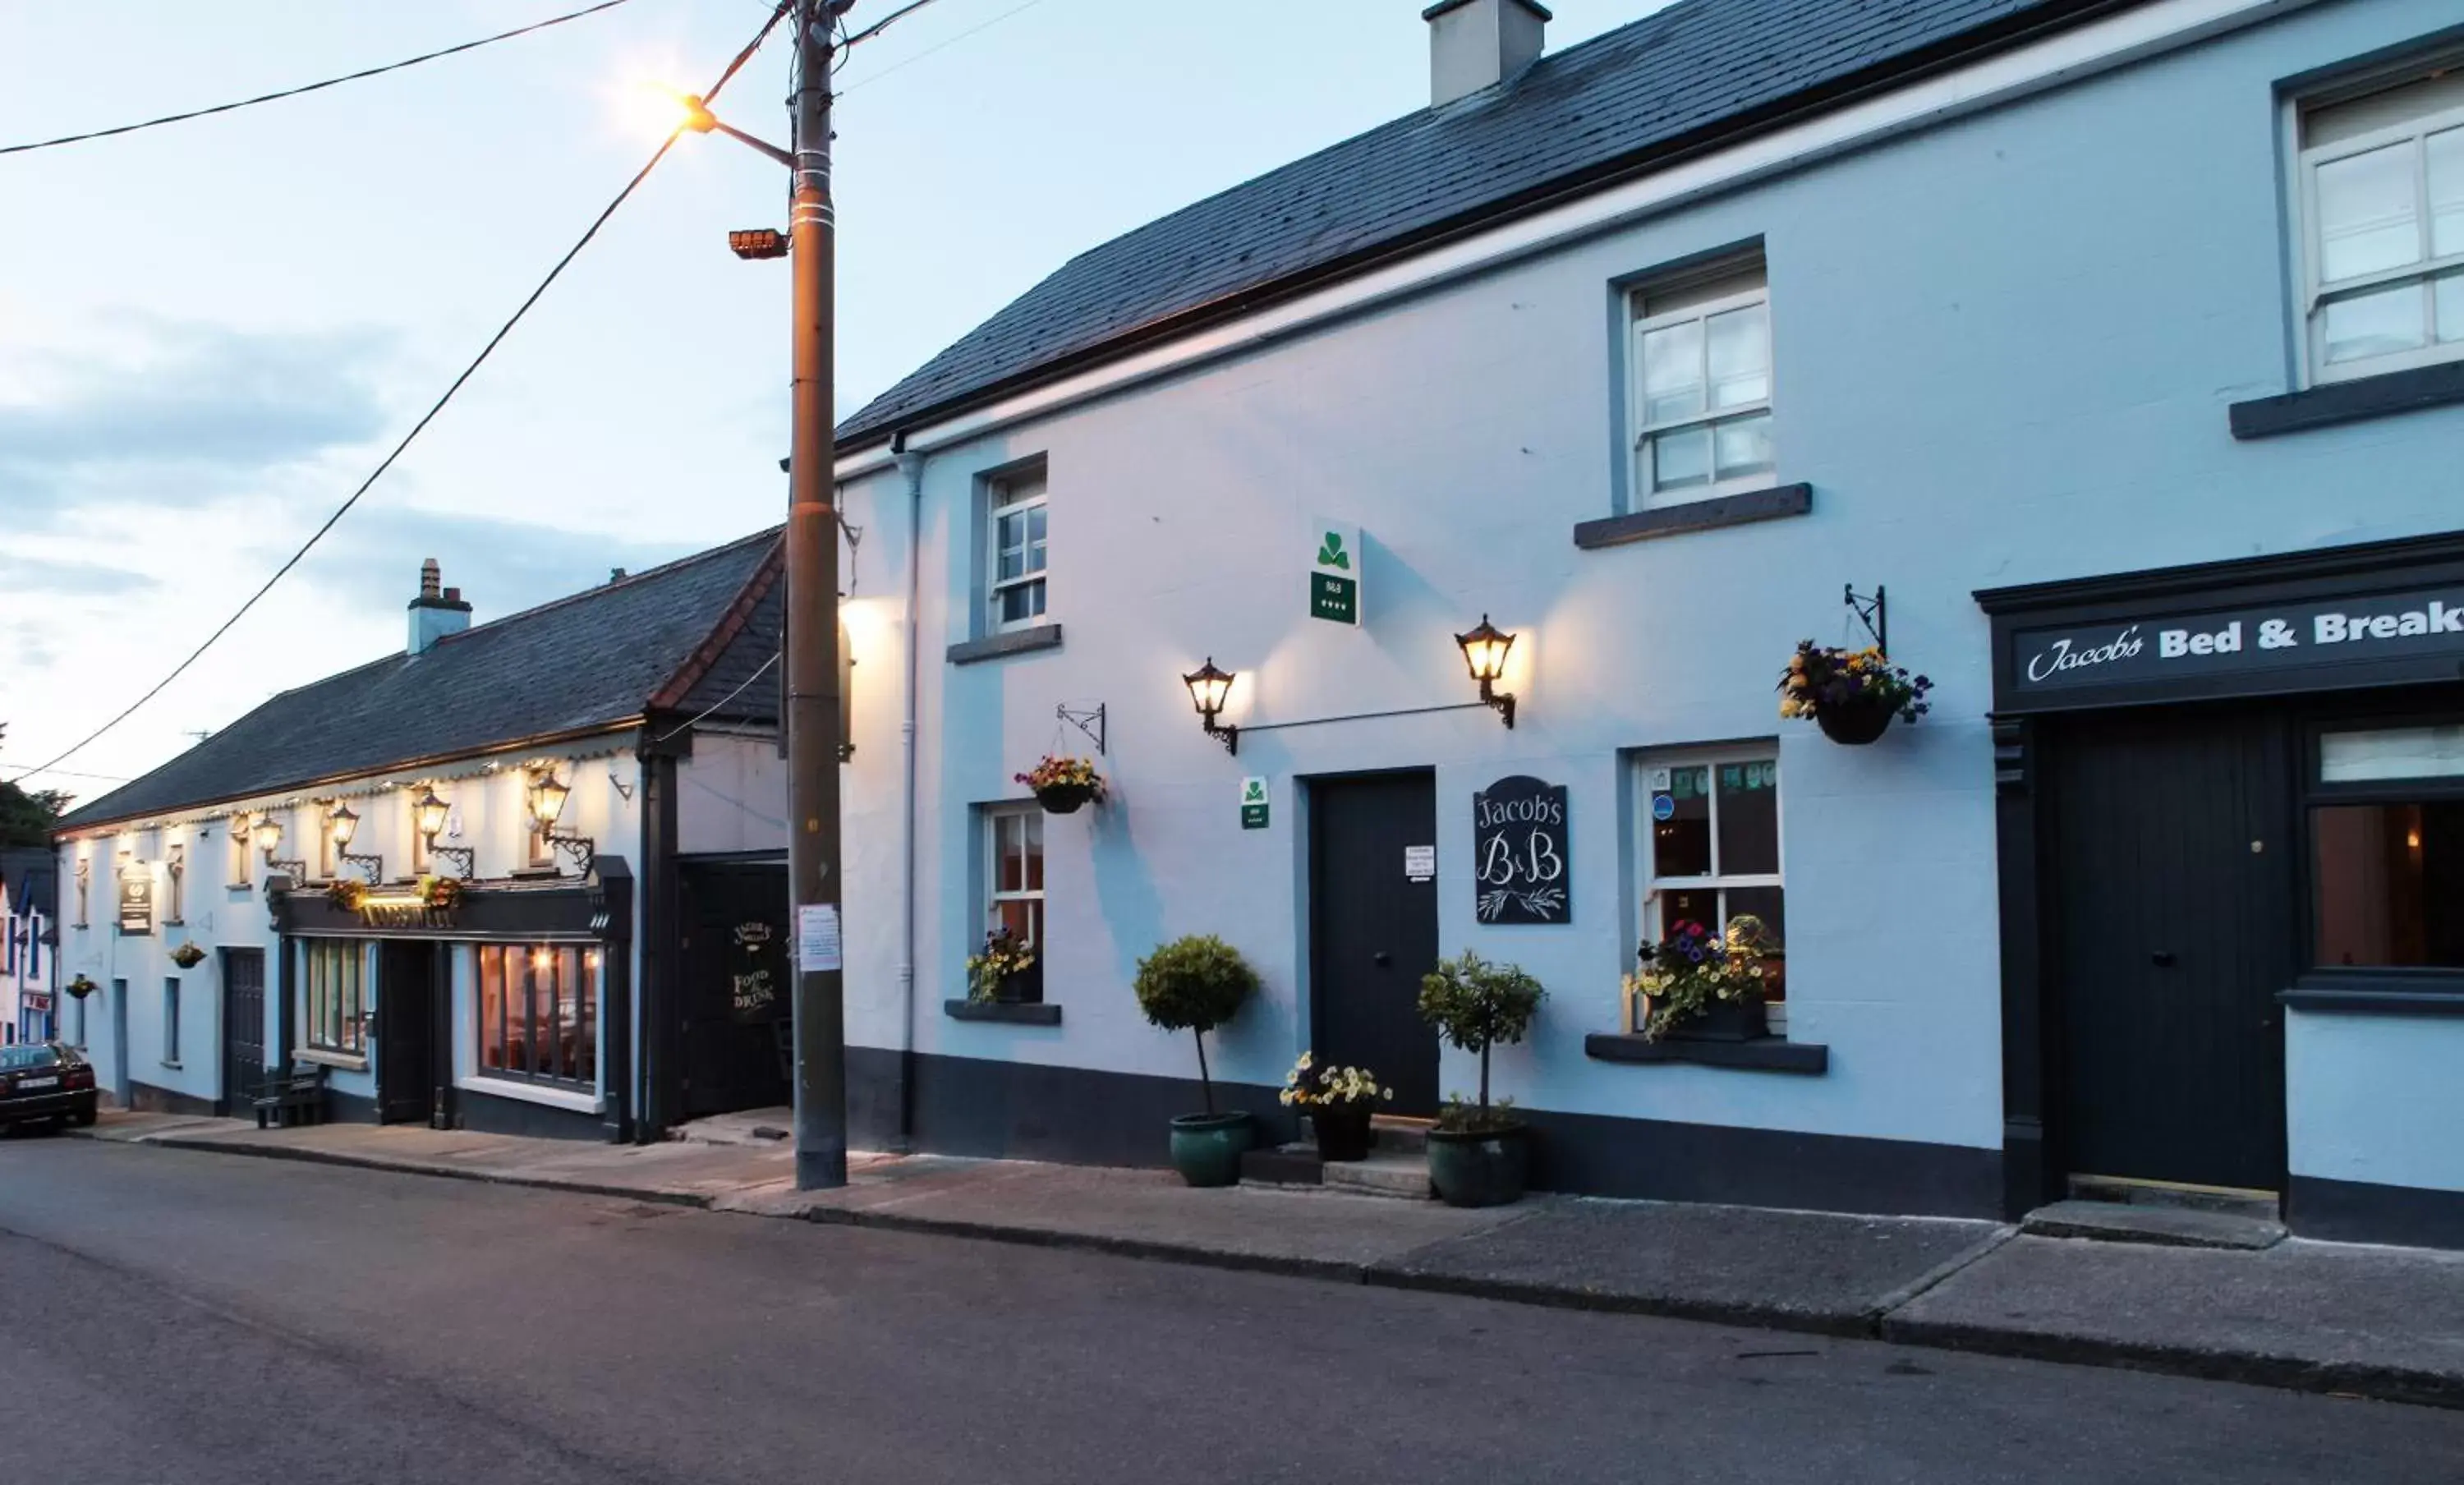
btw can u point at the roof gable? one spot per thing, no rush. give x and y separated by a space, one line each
590 661
1601 110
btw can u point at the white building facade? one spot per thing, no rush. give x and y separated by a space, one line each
1998 335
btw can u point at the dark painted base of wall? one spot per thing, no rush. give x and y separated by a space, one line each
146 1099
349 1108
2358 1212
519 1117
967 1106
1024 1111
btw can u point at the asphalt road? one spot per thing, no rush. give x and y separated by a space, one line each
176 1317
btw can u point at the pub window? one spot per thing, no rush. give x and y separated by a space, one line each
1014 873
538 1014
171 1021
1013 531
2382 195
335 996
1712 822
1700 374
2386 833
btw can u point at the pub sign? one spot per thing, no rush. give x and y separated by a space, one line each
1518 854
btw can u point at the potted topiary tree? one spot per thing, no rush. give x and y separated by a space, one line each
1479 1153
1196 984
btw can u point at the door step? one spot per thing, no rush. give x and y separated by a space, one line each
1399 1135
1384 1173
2163 1225
2178 1196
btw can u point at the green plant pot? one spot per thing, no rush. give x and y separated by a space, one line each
1206 1148
1483 1170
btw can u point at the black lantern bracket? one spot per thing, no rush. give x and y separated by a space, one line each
583 850
1089 721
373 865
1874 612
464 858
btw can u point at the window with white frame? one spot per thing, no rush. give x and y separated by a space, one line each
1014 550
2382 187
1711 822
335 995
1700 380
1014 873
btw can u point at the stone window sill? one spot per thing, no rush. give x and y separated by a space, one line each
2373 1000
1727 510
1018 641
1766 1054
1038 1014
572 1100
319 1057
2349 402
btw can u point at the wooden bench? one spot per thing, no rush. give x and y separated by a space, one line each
296 1096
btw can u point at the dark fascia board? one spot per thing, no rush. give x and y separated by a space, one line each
63 835
2349 402
2315 565
1953 52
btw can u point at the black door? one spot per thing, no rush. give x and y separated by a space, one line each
406 1042
1373 931
243 1027
736 986
2173 927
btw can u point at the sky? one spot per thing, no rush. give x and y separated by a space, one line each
212 332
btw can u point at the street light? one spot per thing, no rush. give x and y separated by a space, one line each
432 813
1208 687
1485 650
812 643
342 824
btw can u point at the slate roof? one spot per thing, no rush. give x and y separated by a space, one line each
1698 71
590 661
29 877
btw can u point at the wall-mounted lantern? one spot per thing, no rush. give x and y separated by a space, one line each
430 813
547 799
267 833
1208 687
345 824
1485 650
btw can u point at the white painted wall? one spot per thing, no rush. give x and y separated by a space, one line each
2005 350
731 795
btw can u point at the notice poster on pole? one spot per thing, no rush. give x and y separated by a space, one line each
817 937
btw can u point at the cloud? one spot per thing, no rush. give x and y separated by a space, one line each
189 418
372 559
27 575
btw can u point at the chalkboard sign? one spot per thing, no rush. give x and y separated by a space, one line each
1519 848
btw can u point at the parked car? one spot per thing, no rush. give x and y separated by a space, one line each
45 1080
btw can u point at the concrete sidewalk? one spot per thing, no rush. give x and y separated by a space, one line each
2373 1321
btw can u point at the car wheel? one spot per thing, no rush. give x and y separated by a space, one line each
82 1119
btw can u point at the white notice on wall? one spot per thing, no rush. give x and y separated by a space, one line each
817 937
1420 862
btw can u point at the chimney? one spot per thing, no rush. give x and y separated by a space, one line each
436 612
1474 44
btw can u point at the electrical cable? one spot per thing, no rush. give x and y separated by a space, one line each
864 82
269 98
722 700
435 408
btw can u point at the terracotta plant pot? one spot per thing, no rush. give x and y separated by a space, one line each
1487 1168
1342 1131
1858 723
1065 798
1206 1148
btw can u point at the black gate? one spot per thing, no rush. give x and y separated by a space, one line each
1374 929
737 984
2171 855
243 1028
407 1078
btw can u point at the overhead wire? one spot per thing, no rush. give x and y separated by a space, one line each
438 406
910 61
312 87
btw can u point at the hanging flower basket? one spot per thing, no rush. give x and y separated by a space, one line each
188 955
1064 785
82 986
1851 695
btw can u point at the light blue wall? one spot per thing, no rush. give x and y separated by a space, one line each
2375 1098
2004 352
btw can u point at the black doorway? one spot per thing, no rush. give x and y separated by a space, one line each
2171 858
1373 931
736 986
243 1028
407 1078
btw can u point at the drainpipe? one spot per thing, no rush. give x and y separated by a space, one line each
910 464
